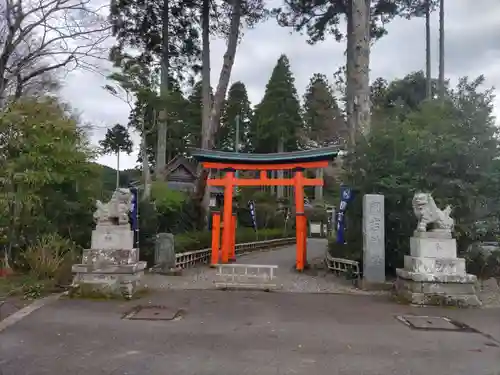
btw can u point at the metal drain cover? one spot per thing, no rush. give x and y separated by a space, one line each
150 312
433 323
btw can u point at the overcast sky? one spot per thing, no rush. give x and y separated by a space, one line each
472 48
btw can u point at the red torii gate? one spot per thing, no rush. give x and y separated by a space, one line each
230 162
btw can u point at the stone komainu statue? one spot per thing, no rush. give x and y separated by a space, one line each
427 212
116 211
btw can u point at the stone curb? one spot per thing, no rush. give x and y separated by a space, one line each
25 311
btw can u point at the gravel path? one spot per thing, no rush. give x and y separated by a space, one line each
319 281
288 279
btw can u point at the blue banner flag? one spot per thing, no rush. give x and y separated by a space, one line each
251 207
345 197
134 215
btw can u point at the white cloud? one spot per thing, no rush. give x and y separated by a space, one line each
472 48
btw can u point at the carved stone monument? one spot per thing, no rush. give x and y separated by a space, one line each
165 254
432 274
111 266
373 239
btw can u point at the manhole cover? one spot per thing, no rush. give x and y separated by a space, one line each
153 313
433 323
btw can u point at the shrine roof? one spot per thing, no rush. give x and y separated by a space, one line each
317 154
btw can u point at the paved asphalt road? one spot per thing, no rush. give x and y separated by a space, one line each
255 333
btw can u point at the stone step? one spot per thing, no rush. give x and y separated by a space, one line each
433 247
435 265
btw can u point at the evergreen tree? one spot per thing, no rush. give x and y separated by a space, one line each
117 139
236 105
145 114
193 116
323 120
277 117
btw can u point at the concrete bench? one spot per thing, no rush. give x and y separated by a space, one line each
246 276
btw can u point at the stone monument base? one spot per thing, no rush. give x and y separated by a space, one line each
437 289
433 275
108 281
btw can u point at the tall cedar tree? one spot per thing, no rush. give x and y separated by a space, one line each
144 110
193 116
115 141
237 104
323 120
322 17
278 114
138 24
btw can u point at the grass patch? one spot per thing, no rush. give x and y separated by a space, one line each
25 286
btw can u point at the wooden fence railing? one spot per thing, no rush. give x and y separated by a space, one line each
193 258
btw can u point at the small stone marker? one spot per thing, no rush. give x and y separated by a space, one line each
164 252
373 238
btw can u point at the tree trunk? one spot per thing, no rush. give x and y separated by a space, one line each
205 75
145 164
225 73
161 147
206 97
117 169
441 50
361 65
428 73
224 76
351 124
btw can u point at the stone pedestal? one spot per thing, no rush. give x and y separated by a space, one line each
433 275
111 267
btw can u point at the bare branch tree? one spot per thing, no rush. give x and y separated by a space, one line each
42 36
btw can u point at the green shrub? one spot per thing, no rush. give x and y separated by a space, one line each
45 258
344 251
483 265
317 214
406 151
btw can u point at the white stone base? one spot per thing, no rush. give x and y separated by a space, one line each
435 265
433 247
435 277
437 288
112 237
105 257
110 280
